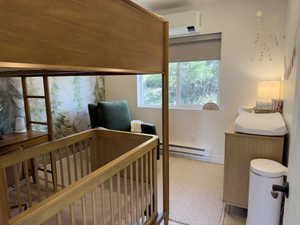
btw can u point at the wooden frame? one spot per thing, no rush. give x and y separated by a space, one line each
132 148
92 35
63 38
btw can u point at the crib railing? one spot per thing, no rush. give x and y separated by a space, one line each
32 175
62 182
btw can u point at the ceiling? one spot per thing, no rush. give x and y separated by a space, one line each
162 4
169 4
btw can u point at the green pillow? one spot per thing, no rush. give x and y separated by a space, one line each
116 115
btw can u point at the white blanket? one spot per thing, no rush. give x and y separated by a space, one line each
136 126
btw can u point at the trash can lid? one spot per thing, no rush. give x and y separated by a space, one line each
268 168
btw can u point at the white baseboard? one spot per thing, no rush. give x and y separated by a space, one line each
213 159
195 153
209 159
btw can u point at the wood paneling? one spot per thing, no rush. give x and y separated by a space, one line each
240 149
94 34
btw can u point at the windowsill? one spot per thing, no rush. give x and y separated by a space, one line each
187 108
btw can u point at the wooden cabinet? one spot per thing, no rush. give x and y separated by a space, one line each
240 149
13 142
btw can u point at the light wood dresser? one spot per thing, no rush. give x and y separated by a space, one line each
16 142
240 149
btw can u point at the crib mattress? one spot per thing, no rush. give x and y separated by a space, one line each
269 124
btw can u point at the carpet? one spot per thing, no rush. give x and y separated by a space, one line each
196 190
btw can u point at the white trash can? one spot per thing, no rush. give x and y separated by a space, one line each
263 209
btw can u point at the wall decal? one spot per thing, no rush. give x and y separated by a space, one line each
69 99
290 63
11 104
265 40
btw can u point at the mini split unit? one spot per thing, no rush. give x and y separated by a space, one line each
184 23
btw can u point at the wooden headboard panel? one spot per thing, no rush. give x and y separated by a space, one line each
98 35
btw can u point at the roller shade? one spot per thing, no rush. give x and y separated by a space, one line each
195 48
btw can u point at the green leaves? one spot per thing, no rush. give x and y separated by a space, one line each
190 83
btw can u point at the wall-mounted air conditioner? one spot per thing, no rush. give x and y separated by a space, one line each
184 23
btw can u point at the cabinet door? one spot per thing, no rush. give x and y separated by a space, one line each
239 151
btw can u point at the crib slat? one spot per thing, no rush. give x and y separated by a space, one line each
131 193
37 178
111 200
73 147
151 183
155 179
58 219
83 208
93 149
81 159
61 167
102 203
17 183
119 198
73 221
29 193
125 196
4 206
147 185
45 174
90 143
69 165
94 213
86 148
142 189
137 191
53 169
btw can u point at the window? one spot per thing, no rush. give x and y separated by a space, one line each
193 74
191 85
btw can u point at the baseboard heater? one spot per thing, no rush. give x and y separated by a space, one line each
185 150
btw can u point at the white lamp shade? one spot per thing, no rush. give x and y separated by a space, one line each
268 90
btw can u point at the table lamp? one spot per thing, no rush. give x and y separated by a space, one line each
268 90
268 96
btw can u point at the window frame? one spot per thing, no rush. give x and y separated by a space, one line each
140 94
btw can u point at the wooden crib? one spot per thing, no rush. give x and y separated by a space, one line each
93 177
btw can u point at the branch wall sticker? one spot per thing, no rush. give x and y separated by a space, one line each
266 40
69 99
290 63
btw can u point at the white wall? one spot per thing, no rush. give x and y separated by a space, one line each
240 71
291 93
293 15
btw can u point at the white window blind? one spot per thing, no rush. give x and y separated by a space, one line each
196 48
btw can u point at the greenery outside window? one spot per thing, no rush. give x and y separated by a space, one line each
191 85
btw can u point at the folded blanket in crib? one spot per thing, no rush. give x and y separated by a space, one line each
136 126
